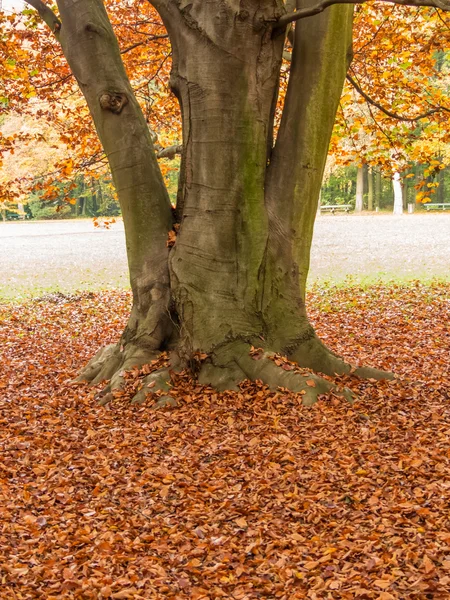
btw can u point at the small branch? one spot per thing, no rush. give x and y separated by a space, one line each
169 152
388 112
47 15
151 38
310 11
321 6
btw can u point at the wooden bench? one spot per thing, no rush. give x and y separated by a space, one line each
437 206
332 208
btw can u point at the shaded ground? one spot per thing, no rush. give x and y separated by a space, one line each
238 496
73 255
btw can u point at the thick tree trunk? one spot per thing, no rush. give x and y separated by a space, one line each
93 54
226 89
236 274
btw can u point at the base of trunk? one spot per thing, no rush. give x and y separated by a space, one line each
225 368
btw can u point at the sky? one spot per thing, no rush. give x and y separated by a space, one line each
12 5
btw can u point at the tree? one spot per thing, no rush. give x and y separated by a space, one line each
394 110
398 195
226 270
359 190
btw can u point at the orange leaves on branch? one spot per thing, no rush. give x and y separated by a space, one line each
37 82
399 62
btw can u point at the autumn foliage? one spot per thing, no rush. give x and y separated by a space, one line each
233 495
399 62
395 107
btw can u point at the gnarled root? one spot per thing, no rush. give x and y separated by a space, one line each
234 363
227 367
110 364
158 381
313 354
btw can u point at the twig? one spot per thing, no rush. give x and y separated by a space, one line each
321 6
388 112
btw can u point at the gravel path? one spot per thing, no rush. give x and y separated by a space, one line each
39 257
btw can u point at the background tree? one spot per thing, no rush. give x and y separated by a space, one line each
395 106
226 270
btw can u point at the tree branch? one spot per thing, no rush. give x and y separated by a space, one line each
388 112
151 38
169 152
321 6
47 15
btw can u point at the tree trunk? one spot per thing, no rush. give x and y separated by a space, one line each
441 189
398 195
359 190
370 189
93 54
378 189
95 187
235 276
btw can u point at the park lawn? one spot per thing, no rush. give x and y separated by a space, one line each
231 495
37 258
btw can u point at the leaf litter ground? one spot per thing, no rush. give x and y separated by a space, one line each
233 495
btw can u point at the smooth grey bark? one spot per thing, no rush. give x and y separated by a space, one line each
321 55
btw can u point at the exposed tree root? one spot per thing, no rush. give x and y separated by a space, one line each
225 369
110 364
309 385
158 381
313 354
234 363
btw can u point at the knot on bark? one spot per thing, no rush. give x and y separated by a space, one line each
243 15
113 101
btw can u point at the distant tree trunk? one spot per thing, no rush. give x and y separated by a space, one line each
359 190
398 195
378 189
441 188
99 199
227 270
370 189
95 186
